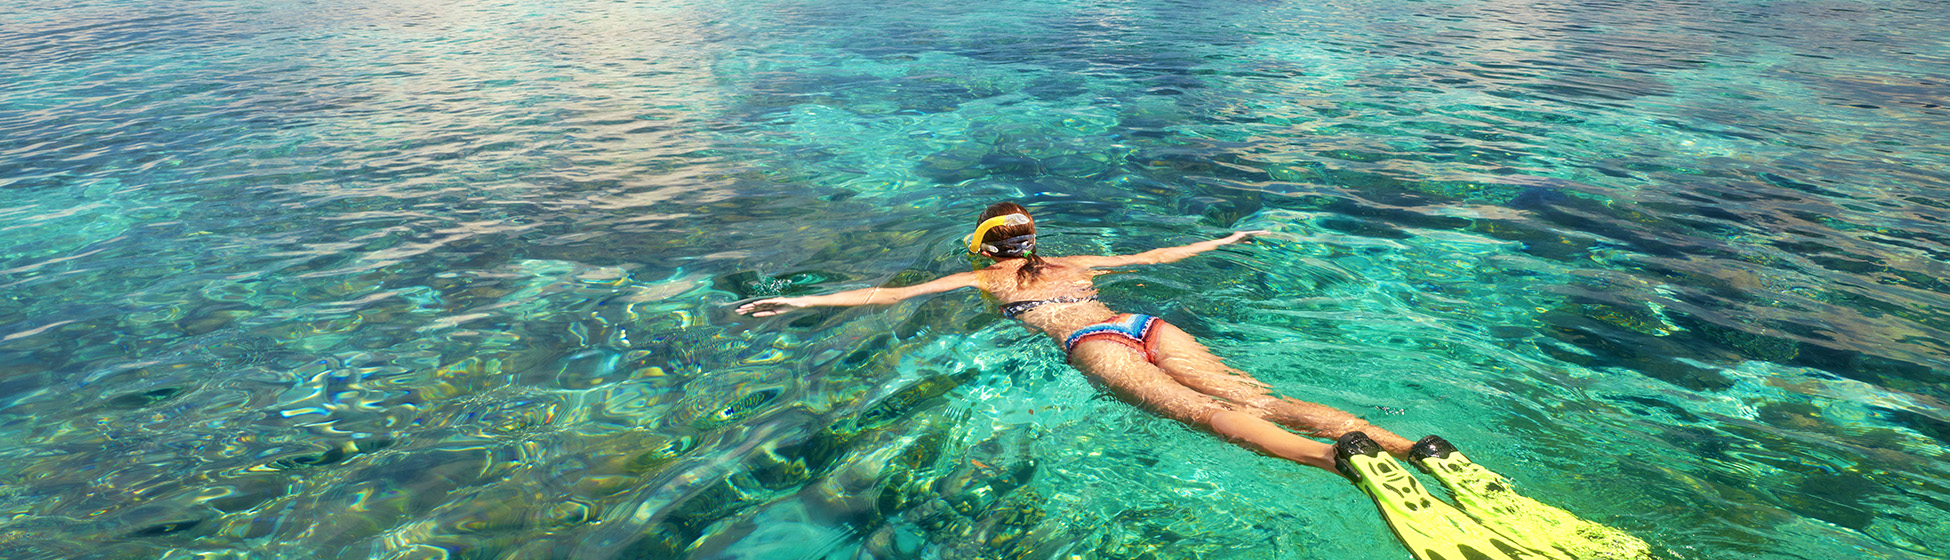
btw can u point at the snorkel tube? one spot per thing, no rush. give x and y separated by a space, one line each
975 245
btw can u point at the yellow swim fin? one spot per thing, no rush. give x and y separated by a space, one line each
1430 528
1490 499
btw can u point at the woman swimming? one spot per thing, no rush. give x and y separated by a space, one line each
1154 365
1139 358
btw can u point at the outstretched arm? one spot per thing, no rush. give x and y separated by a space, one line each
868 296
1167 254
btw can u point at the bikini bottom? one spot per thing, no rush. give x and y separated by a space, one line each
1129 329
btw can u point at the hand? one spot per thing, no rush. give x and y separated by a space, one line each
769 307
1242 236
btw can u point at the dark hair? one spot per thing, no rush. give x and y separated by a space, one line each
1033 267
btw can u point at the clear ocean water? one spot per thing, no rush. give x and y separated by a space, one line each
415 280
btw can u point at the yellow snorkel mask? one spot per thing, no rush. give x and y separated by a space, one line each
975 241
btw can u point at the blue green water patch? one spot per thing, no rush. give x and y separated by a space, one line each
385 279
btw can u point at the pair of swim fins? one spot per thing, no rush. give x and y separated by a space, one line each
1499 525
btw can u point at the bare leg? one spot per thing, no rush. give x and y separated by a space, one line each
1128 376
1193 366
1269 438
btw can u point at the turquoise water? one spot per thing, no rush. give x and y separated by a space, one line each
390 279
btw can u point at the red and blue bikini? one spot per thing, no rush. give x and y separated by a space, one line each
1129 329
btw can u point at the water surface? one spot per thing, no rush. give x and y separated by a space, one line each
385 279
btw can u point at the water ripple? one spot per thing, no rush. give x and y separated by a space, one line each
395 279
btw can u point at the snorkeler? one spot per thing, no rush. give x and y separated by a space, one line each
1139 358
1155 365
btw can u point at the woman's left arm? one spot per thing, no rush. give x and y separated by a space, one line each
849 298
1167 254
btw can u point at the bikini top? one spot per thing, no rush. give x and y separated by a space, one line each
1012 309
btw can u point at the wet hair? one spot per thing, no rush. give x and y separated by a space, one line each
1033 265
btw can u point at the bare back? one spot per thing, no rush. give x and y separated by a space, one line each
1063 277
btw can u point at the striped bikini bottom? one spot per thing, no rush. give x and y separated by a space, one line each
1129 329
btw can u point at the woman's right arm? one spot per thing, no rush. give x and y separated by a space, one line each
1164 255
849 298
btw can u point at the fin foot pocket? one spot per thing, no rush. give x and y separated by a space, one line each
1490 499
1430 528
